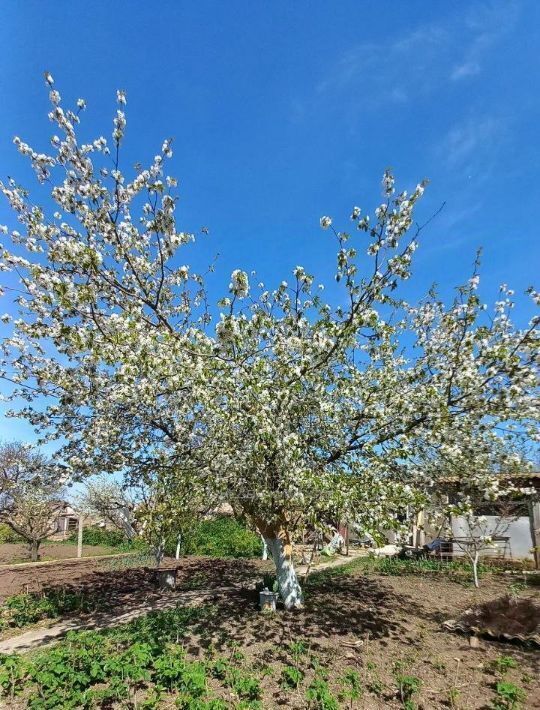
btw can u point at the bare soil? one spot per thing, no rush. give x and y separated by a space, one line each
14 553
126 580
381 627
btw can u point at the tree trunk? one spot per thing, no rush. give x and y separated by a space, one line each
279 547
34 550
178 546
264 554
475 569
534 521
159 552
333 546
80 537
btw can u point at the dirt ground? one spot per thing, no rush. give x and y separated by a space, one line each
18 552
126 580
379 626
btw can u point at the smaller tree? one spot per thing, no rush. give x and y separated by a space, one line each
114 503
170 504
480 533
30 494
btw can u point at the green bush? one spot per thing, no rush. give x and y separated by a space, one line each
8 535
223 537
509 696
93 535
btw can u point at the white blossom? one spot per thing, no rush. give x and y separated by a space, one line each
239 283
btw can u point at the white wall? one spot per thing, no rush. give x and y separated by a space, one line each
518 530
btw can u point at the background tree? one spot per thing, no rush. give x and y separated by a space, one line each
170 507
480 489
480 533
112 502
31 491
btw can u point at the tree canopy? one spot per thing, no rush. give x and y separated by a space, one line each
292 409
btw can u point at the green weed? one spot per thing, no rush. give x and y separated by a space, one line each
291 677
23 609
509 696
319 696
502 665
351 687
408 686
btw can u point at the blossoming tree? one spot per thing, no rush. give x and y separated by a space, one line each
31 489
110 501
292 410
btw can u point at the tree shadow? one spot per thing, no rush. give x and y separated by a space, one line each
347 608
110 589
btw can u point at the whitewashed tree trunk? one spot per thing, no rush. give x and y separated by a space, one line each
475 569
264 555
80 536
289 587
335 543
178 546
126 521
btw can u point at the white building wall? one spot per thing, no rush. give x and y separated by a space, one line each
519 532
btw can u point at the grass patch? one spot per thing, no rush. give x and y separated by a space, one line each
24 609
395 567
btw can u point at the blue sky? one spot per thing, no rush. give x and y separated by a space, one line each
282 112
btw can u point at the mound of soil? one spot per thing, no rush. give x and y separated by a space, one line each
503 618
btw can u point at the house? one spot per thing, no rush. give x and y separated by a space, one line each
514 523
67 521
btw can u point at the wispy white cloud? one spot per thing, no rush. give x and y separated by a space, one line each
473 144
462 71
391 73
484 26
423 61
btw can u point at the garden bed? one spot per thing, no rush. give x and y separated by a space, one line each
17 552
364 640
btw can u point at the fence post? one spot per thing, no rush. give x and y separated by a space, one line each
80 536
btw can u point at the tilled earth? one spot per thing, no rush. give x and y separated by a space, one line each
380 627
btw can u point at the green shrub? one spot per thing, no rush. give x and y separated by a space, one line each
94 535
502 664
408 686
8 535
351 687
291 677
223 537
320 697
509 696
12 675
